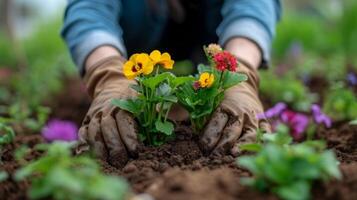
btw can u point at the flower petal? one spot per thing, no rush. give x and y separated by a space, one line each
155 56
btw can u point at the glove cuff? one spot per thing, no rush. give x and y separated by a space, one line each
253 77
102 73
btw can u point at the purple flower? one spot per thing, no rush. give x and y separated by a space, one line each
319 117
275 111
352 79
297 123
60 130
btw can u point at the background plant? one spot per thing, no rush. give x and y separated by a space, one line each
285 169
60 176
341 103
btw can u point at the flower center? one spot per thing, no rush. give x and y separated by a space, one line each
137 67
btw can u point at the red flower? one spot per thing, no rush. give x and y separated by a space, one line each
196 85
225 60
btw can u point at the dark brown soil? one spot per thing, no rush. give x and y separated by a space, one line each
10 189
179 171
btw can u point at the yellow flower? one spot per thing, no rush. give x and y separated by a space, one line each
138 64
162 59
206 80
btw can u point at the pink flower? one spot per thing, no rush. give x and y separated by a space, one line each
297 123
60 130
225 61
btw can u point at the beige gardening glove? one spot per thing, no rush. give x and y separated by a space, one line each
234 122
110 132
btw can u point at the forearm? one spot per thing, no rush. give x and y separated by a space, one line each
249 27
246 50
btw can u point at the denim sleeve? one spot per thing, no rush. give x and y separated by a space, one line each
89 24
252 19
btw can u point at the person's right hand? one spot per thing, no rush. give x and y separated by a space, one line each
110 132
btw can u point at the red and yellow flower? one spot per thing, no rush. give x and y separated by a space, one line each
138 64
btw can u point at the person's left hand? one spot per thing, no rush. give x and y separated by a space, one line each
234 122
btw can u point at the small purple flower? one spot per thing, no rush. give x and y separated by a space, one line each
352 78
319 117
275 111
297 123
60 130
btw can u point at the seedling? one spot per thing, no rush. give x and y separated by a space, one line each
201 96
341 103
156 91
285 169
58 175
7 134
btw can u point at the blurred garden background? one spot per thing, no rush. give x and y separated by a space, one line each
313 54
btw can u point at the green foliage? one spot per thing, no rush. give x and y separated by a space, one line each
201 102
286 89
20 115
341 104
7 53
3 176
151 107
7 134
58 175
288 170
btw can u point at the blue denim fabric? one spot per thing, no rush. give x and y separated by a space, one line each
133 25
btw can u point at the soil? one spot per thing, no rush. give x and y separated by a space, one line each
178 170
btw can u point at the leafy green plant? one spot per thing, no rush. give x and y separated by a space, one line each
286 89
7 134
155 91
3 176
341 103
285 169
202 95
58 175
21 116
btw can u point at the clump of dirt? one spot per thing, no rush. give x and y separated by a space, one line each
345 189
342 138
11 189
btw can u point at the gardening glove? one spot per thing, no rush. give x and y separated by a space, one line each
109 131
234 122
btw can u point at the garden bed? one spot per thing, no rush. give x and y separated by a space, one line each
178 170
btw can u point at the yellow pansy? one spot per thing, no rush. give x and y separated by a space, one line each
138 64
162 59
206 80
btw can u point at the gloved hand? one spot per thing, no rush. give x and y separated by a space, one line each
234 122
107 130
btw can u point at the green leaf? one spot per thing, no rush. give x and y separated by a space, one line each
232 79
163 90
248 162
152 82
330 164
164 127
3 176
130 105
298 190
203 68
170 98
136 87
353 122
181 80
251 147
